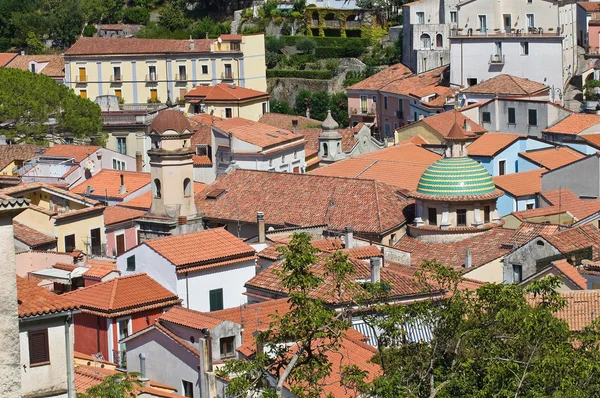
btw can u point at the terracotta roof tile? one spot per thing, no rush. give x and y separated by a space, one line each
363 252
30 236
78 152
423 85
107 182
259 134
524 183
583 307
485 247
99 269
22 189
538 212
228 37
368 206
5 58
507 85
54 64
190 318
21 152
589 6
576 238
35 300
443 122
552 158
568 201
574 124
170 119
119 214
383 78
527 231
124 295
285 121
142 202
201 160
571 272
400 166
201 247
225 92
112 46
593 139
490 144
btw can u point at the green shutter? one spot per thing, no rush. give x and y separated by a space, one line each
216 299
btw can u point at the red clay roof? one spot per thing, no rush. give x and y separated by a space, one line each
107 182
383 78
589 6
552 158
124 295
99 269
568 201
30 236
55 64
190 318
538 212
259 134
570 272
78 152
201 247
574 124
144 201
368 206
285 121
5 58
112 46
35 300
401 166
170 119
593 139
583 307
118 214
507 85
490 144
21 152
225 92
423 86
524 183
576 238
17 190
443 122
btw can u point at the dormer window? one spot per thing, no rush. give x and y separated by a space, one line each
32 67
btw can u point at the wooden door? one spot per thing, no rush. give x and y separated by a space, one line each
120 244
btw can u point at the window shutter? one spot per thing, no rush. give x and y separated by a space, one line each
216 299
38 347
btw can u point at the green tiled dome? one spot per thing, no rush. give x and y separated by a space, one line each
456 177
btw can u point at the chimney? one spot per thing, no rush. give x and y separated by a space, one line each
375 269
139 165
468 259
467 126
295 126
2 139
260 222
307 112
206 364
122 188
143 379
349 237
192 44
10 358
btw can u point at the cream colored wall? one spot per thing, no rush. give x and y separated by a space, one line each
81 227
452 208
251 111
8 169
253 64
419 128
490 272
39 221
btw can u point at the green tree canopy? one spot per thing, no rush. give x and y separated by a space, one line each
29 101
486 343
119 385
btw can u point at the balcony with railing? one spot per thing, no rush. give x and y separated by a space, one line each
116 78
227 75
128 119
331 23
151 78
538 32
496 59
353 24
181 77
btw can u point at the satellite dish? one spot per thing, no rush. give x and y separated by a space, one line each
220 40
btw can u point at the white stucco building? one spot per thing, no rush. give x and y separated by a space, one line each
535 39
207 269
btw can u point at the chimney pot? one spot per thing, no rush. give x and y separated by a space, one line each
349 237
260 222
375 269
143 379
138 161
468 259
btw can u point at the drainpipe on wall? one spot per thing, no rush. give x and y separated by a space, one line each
68 355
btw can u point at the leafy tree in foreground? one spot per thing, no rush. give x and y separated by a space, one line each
119 385
298 342
485 343
29 100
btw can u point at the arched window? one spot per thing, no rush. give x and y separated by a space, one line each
425 41
157 188
325 150
187 187
439 40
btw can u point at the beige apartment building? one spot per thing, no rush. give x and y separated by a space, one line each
156 70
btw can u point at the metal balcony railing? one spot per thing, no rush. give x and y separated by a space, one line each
181 77
226 75
151 78
116 78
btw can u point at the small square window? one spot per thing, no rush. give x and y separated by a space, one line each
486 117
453 18
512 116
228 113
532 117
461 217
188 388
205 69
530 206
131 263
227 346
471 81
39 350
501 167
517 273
420 17
525 48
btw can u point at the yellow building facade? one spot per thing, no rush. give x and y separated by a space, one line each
154 70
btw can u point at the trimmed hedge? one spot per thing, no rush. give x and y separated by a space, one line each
303 74
330 41
339 52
